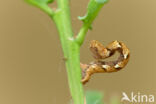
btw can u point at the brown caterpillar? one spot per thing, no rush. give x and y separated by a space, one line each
100 53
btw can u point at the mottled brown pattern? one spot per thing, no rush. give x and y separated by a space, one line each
100 53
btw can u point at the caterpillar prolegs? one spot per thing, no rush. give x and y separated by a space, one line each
99 53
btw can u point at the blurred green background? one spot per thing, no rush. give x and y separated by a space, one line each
31 67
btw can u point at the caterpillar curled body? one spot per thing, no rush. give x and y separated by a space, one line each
99 53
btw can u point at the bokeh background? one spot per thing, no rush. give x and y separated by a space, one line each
31 67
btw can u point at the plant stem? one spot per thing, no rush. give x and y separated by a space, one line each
71 45
43 6
71 50
82 33
93 10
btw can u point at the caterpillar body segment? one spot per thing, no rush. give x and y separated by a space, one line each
99 53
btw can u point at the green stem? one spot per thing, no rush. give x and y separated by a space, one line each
93 10
43 6
46 9
71 50
82 33
71 46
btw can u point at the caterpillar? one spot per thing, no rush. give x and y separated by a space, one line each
100 53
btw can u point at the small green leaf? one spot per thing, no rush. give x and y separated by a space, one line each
93 97
93 9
